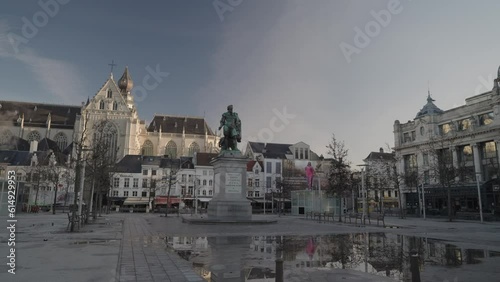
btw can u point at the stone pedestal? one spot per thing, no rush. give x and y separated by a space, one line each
230 202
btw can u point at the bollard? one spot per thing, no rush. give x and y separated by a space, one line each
279 270
415 271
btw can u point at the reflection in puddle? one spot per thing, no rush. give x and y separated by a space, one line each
253 258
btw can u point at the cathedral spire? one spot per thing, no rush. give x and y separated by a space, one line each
125 83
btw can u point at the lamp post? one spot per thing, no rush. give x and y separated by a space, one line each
363 190
479 196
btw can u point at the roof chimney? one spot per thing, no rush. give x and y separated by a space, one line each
381 150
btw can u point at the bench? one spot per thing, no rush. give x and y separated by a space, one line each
354 216
376 216
310 214
328 215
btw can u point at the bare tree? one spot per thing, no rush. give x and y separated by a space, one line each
445 172
339 173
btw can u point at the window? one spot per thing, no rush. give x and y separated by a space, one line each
171 149
426 177
256 171
126 184
144 183
306 154
257 182
183 179
34 136
268 182
153 172
204 182
125 193
413 136
110 93
204 192
210 192
61 141
116 182
464 124
199 191
296 153
489 150
144 194
194 147
198 182
134 193
135 184
269 167
425 156
390 193
107 134
204 172
115 193
406 137
257 194
301 155
115 106
250 182
147 148
465 154
144 172
395 194
209 182
101 105
445 128
250 193
486 119
190 190
278 168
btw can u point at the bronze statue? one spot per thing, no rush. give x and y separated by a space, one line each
231 125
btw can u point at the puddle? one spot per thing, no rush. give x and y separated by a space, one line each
382 254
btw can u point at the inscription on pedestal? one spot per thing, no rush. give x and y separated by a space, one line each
233 182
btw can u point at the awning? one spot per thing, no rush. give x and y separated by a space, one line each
258 201
204 199
136 201
116 199
282 200
162 200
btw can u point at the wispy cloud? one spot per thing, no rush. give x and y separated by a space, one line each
59 78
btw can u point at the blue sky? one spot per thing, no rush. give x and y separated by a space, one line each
262 56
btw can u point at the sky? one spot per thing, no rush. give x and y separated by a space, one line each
294 70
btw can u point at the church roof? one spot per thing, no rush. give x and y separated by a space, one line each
429 108
36 114
176 124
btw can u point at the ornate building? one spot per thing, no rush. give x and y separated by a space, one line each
469 135
112 113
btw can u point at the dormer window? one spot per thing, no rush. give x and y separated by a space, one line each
101 105
110 93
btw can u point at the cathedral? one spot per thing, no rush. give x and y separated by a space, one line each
43 127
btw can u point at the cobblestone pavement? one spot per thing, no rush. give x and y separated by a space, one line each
144 256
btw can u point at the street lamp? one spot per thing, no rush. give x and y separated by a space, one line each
363 190
479 196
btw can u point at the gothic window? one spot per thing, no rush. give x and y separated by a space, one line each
194 147
33 136
204 182
61 140
147 148
5 137
101 105
115 106
106 135
110 93
171 149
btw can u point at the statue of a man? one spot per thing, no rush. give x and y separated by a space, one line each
231 125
